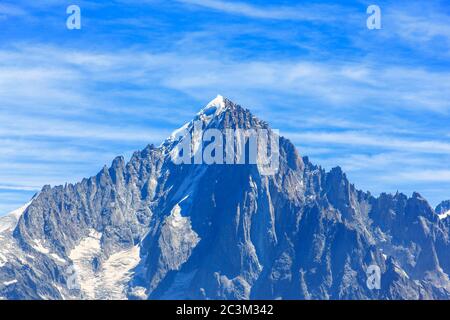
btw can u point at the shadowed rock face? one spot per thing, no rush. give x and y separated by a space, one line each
152 229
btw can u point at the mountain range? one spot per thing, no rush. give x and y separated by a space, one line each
152 229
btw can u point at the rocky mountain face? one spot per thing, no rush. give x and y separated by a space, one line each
443 207
152 229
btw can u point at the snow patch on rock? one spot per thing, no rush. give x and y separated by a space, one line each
444 215
177 239
82 257
8 283
39 247
181 229
110 279
9 221
116 273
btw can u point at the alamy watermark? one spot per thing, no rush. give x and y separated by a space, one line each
72 278
73 22
260 147
374 20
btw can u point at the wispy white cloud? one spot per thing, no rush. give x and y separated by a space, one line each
419 22
336 84
36 127
355 83
420 27
433 176
11 10
306 12
20 188
355 138
66 83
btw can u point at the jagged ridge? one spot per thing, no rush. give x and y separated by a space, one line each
222 232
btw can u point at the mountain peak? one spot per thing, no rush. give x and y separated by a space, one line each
221 232
218 106
218 101
219 113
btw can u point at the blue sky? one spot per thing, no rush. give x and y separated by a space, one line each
375 102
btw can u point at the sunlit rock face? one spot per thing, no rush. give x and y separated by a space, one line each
153 229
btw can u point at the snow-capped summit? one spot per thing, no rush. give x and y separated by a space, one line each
212 110
215 107
217 114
